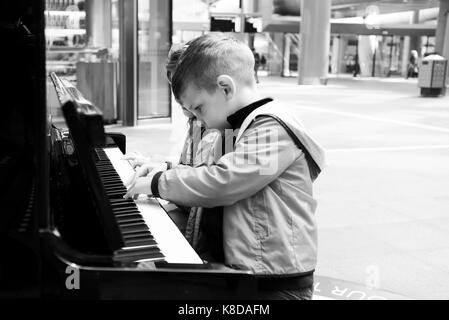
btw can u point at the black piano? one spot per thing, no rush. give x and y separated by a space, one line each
66 231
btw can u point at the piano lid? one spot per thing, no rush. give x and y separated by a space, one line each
90 118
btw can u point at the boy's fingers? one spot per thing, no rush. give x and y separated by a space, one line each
131 181
132 156
136 164
143 171
130 193
128 157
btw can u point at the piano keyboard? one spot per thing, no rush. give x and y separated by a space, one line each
146 228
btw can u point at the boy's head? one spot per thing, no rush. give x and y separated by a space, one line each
212 76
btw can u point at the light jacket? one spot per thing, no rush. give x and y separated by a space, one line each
265 188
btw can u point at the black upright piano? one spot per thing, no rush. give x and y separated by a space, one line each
65 229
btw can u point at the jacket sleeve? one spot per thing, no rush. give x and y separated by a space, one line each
264 151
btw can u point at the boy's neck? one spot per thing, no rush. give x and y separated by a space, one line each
246 97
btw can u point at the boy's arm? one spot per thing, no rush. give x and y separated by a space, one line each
263 153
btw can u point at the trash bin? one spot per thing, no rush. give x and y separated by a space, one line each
432 76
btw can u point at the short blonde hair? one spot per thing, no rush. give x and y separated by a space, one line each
207 57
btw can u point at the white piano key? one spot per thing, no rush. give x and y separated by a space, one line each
123 168
171 242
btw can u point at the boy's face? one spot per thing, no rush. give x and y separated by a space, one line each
210 108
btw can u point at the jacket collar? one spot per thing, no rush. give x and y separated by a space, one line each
236 119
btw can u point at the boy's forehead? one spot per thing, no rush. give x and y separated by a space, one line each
189 95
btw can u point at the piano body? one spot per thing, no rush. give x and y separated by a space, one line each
115 248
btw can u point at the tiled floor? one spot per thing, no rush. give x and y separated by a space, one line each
384 198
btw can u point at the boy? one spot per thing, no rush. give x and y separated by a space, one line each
264 183
202 227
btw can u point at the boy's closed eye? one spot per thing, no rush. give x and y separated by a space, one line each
198 108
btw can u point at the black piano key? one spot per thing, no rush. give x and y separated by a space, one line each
123 203
115 189
125 212
108 172
112 183
128 200
109 168
130 224
118 211
123 206
133 243
129 217
113 186
109 175
132 229
116 194
138 235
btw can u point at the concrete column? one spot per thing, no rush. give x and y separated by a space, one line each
276 54
128 62
367 48
415 41
99 23
442 33
286 58
340 44
315 38
344 39
335 54
405 55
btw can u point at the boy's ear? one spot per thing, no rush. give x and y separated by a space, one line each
227 85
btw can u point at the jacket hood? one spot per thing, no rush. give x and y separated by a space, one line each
290 117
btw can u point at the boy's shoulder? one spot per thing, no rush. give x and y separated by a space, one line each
287 119
272 112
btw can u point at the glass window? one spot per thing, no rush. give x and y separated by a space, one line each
153 45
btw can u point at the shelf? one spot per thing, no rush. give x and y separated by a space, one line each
54 32
60 49
80 14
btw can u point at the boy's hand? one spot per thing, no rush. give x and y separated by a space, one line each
140 182
136 159
139 185
149 167
146 169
